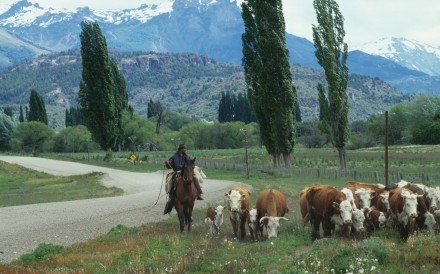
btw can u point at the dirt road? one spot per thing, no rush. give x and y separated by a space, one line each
23 228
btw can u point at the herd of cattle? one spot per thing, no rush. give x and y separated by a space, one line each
356 208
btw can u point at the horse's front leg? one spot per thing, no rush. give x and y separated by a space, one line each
189 219
181 216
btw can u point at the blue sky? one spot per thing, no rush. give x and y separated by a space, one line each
365 20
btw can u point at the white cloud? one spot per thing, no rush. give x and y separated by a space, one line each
370 20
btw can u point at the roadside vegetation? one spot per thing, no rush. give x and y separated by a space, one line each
161 248
21 186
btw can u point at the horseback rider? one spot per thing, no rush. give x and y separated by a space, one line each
175 164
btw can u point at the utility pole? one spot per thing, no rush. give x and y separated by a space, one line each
246 152
386 148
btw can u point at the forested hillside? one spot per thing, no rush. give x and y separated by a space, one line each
185 83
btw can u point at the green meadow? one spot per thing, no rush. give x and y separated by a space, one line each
161 248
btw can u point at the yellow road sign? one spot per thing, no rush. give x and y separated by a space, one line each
132 157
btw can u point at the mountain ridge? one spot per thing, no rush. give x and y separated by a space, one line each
194 81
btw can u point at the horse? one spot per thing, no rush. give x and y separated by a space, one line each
185 194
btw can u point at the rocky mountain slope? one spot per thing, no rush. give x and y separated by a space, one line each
189 84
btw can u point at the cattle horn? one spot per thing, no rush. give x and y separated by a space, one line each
263 218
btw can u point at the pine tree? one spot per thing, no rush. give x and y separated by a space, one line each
270 89
37 109
102 95
331 52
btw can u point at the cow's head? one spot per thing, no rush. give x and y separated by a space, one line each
409 203
433 195
234 200
384 199
219 211
365 195
345 210
358 220
273 223
382 220
253 222
429 221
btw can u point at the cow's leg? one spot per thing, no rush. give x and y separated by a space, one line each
326 227
315 220
234 226
242 227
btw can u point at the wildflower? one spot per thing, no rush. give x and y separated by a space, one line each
361 270
373 268
271 243
244 270
332 270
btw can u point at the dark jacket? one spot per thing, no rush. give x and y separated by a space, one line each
177 161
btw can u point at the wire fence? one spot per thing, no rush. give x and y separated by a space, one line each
432 179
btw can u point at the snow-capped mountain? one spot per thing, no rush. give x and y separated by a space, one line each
205 27
211 27
408 53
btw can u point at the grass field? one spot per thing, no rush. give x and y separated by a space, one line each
160 248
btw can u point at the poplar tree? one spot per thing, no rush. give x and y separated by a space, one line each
270 90
37 109
102 95
21 117
226 109
331 52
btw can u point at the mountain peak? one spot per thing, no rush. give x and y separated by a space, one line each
409 53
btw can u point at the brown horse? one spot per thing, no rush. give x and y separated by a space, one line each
185 194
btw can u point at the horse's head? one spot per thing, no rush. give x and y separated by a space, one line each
188 170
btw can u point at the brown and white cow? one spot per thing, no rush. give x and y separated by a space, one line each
403 207
424 217
323 202
253 224
271 207
238 204
365 192
358 215
214 218
375 220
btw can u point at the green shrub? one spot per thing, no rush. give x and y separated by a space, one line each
119 229
43 252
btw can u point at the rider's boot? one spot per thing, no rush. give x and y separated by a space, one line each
170 203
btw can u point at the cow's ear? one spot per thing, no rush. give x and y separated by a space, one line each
283 218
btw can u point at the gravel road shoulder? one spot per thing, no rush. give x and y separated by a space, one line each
23 228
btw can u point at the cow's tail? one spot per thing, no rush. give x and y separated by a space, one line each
309 198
